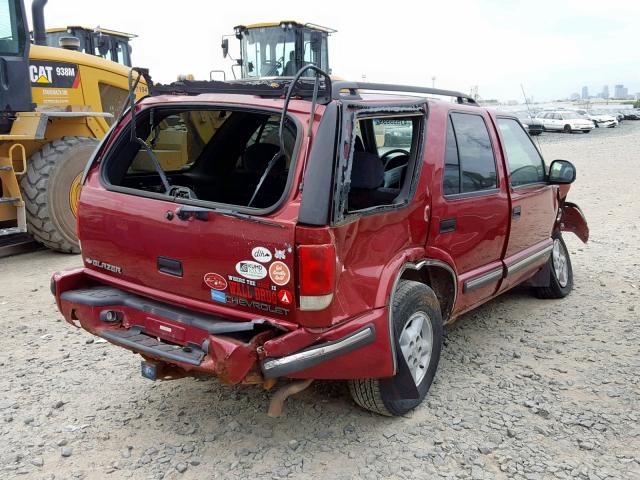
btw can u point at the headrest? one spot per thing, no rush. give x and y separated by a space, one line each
367 170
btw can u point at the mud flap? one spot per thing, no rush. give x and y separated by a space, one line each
401 386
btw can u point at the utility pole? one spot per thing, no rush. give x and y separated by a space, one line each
433 82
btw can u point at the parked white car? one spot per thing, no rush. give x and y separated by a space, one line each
600 119
565 121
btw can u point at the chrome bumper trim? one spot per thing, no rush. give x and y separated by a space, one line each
278 367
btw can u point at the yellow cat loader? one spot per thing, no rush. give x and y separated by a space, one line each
55 105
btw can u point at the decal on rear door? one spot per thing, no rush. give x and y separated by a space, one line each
215 281
279 273
261 254
252 270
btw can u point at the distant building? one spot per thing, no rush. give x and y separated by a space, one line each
605 92
575 96
585 93
619 91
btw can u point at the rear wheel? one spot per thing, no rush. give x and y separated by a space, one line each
561 281
51 189
567 129
418 327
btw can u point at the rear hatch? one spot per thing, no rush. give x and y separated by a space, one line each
211 241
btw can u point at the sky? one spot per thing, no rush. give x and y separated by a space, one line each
552 48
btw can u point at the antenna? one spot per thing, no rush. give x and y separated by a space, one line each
526 101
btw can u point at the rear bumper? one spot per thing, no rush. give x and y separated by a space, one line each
233 349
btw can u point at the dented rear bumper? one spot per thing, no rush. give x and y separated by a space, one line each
233 349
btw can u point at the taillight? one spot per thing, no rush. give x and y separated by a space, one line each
316 275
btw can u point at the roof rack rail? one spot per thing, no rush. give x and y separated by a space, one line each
277 88
338 86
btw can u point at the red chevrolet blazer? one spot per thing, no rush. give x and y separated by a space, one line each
305 229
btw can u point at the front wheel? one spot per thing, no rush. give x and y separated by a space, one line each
567 129
561 281
418 327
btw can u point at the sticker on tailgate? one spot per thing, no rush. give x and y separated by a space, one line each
215 281
252 270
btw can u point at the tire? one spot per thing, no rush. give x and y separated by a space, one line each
560 284
412 301
567 129
586 131
52 172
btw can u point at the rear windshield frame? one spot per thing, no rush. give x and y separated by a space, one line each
125 133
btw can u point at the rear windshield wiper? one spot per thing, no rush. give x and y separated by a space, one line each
283 116
184 212
134 136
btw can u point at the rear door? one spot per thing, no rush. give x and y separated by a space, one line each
533 203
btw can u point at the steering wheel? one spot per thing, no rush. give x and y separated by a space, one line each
273 65
177 191
386 155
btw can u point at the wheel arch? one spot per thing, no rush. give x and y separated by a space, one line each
437 275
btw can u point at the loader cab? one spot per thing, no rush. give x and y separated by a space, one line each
108 44
281 49
15 89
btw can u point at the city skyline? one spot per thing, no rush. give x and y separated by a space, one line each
620 92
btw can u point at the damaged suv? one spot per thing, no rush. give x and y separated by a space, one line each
305 229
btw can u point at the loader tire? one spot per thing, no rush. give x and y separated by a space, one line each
50 189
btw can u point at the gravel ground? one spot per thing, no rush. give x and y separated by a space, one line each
527 389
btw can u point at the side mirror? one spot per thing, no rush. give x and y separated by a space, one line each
562 172
225 47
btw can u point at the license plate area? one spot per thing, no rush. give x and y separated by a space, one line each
149 370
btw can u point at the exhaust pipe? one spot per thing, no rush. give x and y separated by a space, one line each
37 14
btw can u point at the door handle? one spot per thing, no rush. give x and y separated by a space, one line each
185 212
170 266
447 225
516 212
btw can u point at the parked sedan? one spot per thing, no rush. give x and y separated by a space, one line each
599 118
565 121
532 124
632 114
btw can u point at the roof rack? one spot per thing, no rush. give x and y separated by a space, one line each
352 87
269 88
277 88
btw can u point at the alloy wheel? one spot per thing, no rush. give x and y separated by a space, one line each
416 343
559 260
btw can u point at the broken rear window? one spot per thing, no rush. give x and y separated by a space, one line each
212 155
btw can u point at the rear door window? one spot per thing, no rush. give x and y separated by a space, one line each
475 159
384 150
525 163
